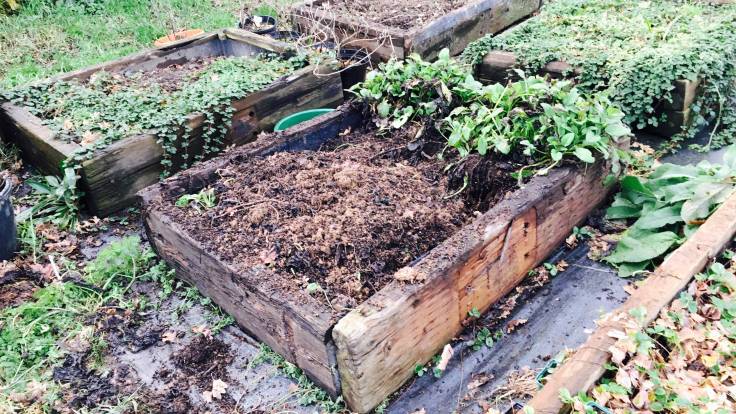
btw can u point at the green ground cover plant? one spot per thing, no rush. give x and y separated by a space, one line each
635 51
666 207
542 122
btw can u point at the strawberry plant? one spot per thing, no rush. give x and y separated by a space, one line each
666 207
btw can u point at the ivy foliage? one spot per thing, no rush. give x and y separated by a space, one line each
666 207
635 51
107 109
540 121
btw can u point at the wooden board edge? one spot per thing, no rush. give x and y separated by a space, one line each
404 324
583 370
480 16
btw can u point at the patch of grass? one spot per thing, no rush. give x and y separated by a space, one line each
30 333
308 393
45 39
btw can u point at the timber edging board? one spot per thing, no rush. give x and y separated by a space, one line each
369 353
583 370
111 178
497 66
454 30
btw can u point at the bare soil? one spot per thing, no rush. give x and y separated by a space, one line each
400 15
169 78
346 217
17 286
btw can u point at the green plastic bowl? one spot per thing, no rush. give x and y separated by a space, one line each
300 117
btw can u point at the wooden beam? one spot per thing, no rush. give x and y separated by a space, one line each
586 366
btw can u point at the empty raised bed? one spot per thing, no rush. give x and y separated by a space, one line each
127 122
669 66
361 259
397 29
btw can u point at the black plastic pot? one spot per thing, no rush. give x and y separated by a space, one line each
267 26
285 35
8 234
355 62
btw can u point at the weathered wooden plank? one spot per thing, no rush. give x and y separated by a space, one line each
587 365
462 26
36 140
454 30
296 332
379 342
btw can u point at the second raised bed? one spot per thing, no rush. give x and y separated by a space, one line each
370 350
112 175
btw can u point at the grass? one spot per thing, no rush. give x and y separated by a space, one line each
43 40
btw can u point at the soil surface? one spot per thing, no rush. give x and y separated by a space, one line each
169 78
346 217
400 15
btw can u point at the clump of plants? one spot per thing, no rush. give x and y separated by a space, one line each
635 51
537 121
666 207
105 110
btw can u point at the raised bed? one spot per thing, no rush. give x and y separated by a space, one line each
453 30
112 175
369 352
497 66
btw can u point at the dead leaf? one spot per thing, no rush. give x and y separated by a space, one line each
478 381
203 330
512 325
409 274
168 337
90 137
447 353
420 411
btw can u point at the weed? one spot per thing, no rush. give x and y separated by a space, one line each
55 200
308 393
474 313
203 200
29 241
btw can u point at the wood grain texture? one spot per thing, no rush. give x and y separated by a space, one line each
379 343
583 370
453 30
35 140
116 173
111 178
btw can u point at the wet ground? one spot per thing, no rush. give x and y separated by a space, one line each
171 362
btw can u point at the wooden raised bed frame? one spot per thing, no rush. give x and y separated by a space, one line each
371 351
496 67
453 30
111 178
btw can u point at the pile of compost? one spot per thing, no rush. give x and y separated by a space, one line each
344 218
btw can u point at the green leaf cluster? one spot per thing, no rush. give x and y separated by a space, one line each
635 51
55 200
533 119
404 90
666 207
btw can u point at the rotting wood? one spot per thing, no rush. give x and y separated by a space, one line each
587 365
497 66
379 343
454 30
113 175
371 351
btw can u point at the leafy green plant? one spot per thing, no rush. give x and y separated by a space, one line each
55 200
666 207
635 57
545 121
484 337
203 200
535 119
404 90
